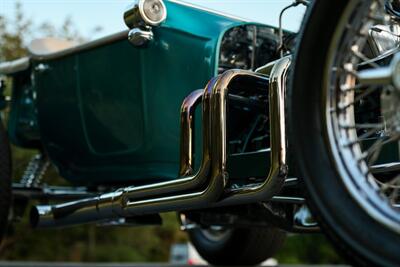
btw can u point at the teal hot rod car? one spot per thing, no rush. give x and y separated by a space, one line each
190 110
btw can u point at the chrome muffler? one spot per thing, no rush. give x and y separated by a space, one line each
206 188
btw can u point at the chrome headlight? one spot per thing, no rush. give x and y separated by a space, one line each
145 13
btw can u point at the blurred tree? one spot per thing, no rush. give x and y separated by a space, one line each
18 31
67 31
12 41
91 243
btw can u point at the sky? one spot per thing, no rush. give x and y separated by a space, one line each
88 14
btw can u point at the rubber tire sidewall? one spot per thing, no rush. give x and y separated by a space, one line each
363 239
244 246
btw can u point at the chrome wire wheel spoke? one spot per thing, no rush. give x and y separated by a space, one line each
362 108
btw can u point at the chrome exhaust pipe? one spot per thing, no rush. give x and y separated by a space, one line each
51 216
118 203
277 72
206 187
96 209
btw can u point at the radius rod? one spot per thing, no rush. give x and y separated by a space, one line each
205 188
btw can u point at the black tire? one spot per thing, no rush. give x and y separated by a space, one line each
5 181
239 246
360 237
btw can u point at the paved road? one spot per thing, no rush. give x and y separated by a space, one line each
50 264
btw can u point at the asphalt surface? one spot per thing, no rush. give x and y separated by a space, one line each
58 264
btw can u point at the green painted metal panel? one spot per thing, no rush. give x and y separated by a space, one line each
111 113
23 126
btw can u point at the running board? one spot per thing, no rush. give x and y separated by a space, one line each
206 188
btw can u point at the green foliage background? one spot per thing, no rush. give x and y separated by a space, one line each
106 244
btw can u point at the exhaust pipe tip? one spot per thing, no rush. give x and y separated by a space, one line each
68 214
40 216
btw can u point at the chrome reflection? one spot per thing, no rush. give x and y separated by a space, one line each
141 16
277 72
206 188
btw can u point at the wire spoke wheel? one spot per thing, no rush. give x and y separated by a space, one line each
363 114
344 124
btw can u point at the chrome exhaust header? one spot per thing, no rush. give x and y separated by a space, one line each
277 72
121 202
205 188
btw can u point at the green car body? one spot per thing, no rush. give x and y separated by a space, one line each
108 111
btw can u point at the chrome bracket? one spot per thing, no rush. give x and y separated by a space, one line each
141 17
140 37
42 68
303 221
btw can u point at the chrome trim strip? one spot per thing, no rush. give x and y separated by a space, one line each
14 66
285 199
265 150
